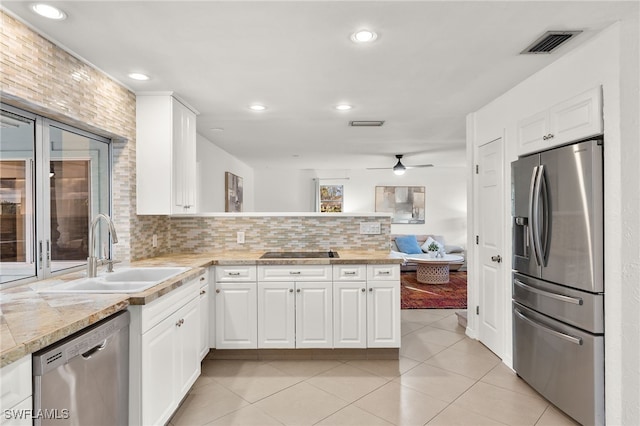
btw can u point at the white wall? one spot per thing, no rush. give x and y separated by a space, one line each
284 190
212 163
445 193
611 60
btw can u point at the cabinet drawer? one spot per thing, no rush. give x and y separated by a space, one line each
159 309
349 272
16 382
383 272
235 273
294 273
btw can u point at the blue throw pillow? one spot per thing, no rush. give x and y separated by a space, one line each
408 244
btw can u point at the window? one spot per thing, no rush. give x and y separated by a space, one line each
53 180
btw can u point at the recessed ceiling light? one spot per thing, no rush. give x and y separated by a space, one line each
257 107
217 129
48 11
138 76
364 36
343 107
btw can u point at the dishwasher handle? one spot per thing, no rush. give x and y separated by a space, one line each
88 354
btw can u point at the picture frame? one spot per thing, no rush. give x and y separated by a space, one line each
233 193
406 203
331 198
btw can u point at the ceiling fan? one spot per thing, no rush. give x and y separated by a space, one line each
400 168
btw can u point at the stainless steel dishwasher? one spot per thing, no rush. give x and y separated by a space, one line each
84 379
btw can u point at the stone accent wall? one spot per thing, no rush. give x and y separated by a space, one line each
285 233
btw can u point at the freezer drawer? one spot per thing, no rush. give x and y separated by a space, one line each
578 308
564 364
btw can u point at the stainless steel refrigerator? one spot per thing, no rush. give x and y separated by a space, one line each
558 278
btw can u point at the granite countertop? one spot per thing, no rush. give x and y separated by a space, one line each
30 321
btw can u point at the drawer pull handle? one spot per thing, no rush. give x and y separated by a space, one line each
384 272
349 273
180 322
567 337
560 297
294 272
234 274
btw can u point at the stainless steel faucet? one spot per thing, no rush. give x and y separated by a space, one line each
92 260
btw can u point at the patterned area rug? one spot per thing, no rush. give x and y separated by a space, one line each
452 295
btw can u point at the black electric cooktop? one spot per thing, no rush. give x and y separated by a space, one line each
299 254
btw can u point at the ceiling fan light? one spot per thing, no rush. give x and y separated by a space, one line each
399 168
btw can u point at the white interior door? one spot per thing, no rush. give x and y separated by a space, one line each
490 241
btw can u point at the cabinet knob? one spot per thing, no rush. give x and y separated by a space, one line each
290 290
371 290
203 292
201 278
363 290
298 290
217 290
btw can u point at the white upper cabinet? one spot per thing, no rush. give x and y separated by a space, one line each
165 154
573 119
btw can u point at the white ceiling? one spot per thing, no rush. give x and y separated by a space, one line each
433 63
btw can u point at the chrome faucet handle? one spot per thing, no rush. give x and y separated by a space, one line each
110 263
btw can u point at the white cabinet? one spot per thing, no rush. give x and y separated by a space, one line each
295 306
15 397
165 154
236 304
573 119
205 315
383 306
164 353
349 306
276 315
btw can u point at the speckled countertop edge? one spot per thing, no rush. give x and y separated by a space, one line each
30 321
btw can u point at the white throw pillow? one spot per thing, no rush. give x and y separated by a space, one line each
425 246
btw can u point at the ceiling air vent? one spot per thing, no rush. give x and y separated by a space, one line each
549 41
370 123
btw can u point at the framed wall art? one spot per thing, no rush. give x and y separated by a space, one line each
406 203
233 191
331 198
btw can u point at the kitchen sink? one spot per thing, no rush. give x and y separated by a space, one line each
129 280
299 255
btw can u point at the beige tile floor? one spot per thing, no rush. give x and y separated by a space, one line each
441 378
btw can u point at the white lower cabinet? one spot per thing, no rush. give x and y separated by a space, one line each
383 314
236 315
350 314
204 318
15 393
164 354
295 315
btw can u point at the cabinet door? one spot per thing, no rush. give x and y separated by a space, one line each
532 133
158 372
577 118
276 315
383 314
204 321
314 319
19 414
349 315
187 348
236 310
184 159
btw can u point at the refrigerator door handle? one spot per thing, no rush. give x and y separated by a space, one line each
567 337
545 229
560 297
534 217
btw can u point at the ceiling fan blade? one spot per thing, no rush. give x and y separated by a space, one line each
379 168
419 166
